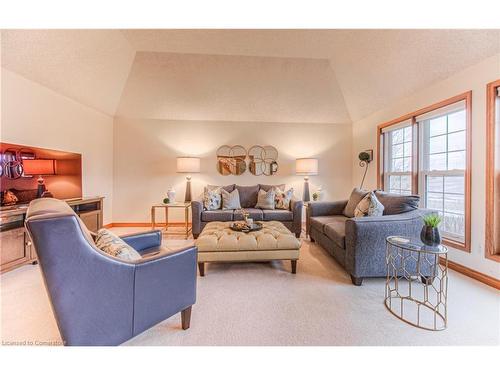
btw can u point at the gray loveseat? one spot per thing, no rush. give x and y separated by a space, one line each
358 243
291 218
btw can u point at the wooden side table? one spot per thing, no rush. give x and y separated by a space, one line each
184 205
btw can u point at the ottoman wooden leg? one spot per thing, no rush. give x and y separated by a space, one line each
201 267
294 266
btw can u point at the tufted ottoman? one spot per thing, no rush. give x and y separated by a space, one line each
218 243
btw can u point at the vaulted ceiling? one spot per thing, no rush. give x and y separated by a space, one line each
242 75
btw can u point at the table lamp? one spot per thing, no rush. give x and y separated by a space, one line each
306 167
40 167
188 165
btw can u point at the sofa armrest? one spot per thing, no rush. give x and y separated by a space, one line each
326 208
196 211
144 240
164 286
366 239
296 208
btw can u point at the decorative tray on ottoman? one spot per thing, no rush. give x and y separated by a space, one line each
244 227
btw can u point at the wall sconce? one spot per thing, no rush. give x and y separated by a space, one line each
365 157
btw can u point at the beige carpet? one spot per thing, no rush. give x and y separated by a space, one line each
264 304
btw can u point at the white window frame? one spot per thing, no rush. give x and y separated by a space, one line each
387 173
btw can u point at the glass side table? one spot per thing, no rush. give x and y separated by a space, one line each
167 207
416 288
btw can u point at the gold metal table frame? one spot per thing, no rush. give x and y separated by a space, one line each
416 288
184 205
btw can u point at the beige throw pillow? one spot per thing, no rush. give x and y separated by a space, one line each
356 196
113 245
369 206
230 201
265 199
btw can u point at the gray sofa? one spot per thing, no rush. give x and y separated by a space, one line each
291 218
358 243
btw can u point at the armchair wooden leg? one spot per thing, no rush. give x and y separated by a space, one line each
201 268
186 317
294 266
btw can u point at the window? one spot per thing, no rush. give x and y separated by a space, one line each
492 247
427 152
398 166
443 166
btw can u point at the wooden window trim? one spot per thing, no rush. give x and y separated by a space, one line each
490 170
467 97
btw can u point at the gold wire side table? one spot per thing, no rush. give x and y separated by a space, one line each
416 288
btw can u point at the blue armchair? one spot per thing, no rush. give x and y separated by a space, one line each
98 299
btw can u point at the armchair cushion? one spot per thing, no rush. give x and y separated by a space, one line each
113 245
356 196
396 204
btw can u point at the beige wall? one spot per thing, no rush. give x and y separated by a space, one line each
36 116
473 78
145 152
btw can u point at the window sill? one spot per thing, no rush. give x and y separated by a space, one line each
457 245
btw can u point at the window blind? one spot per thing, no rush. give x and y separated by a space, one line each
455 107
399 125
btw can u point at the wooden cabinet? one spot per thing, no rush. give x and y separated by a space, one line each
16 248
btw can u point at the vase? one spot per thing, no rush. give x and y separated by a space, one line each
430 235
171 195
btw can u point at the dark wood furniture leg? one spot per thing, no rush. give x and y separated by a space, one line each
201 267
357 280
186 317
428 280
294 266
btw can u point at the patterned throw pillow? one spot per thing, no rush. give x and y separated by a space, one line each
283 198
369 206
212 199
113 245
265 200
230 201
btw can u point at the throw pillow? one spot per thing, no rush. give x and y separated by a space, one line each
265 200
396 204
356 196
283 198
212 199
230 201
369 206
113 245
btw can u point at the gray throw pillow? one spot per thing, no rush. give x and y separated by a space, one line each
113 245
369 206
265 199
396 204
230 201
356 196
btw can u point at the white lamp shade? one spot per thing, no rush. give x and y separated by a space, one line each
306 166
188 165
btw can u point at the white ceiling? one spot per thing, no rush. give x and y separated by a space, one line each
368 69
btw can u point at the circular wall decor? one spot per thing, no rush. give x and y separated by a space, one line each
263 160
231 160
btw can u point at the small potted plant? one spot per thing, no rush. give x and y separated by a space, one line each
315 196
430 232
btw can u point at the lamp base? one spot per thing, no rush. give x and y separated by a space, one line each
306 197
187 197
